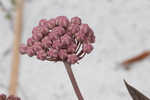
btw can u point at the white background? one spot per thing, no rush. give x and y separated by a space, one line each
122 29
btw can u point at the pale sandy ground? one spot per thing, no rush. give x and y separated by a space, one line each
122 29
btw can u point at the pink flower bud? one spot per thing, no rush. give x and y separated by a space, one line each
62 21
80 36
42 22
84 28
72 59
74 28
36 29
76 20
40 29
44 30
66 39
37 37
87 48
69 33
72 48
57 44
91 31
53 53
62 54
12 97
23 49
37 46
2 97
41 55
58 30
38 43
53 35
30 51
46 42
30 42
91 37
51 23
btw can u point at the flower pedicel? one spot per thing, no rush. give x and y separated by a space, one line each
61 39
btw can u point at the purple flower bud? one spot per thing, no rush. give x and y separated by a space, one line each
53 53
87 48
30 51
42 22
51 23
23 49
84 28
72 59
62 21
30 42
76 20
74 28
62 54
41 55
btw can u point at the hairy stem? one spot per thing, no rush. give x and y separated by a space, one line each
73 81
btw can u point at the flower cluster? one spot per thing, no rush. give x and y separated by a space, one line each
60 39
11 97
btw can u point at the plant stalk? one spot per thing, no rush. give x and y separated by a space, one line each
137 58
73 81
16 43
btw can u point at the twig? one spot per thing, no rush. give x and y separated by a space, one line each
137 58
74 83
17 39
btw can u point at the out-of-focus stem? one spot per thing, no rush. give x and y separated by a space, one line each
73 81
136 58
16 43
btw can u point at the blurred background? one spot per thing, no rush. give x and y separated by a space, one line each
122 30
